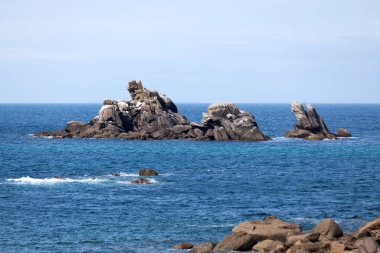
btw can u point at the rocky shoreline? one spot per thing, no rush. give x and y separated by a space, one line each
151 115
273 235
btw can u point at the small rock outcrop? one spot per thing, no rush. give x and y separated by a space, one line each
227 122
182 246
152 115
204 247
148 173
140 181
278 236
310 125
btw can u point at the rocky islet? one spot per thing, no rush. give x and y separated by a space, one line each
151 115
310 125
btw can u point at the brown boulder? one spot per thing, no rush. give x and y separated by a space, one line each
312 237
270 228
375 234
148 172
205 247
315 137
270 246
343 133
329 228
236 241
297 133
309 247
182 246
337 247
369 226
367 245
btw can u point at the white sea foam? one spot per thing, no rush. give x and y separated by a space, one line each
122 174
44 137
153 181
31 180
281 138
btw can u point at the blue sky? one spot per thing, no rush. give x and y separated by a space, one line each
253 51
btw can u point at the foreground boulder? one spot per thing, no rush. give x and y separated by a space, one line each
270 228
267 236
151 115
181 246
372 227
311 126
269 246
236 241
329 228
205 247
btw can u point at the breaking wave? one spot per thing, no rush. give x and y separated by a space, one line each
53 180
121 178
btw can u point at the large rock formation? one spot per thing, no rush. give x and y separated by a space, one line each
152 115
227 122
310 125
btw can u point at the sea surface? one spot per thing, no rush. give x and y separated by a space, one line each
204 188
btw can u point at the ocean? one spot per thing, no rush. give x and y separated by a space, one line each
204 188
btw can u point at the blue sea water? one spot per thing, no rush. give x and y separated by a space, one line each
204 188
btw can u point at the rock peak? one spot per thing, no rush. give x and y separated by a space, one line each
310 125
135 87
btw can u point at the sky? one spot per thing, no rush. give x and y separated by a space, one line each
242 51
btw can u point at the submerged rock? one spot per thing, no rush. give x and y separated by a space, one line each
141 181
204 247
150 115
182 246
310 125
